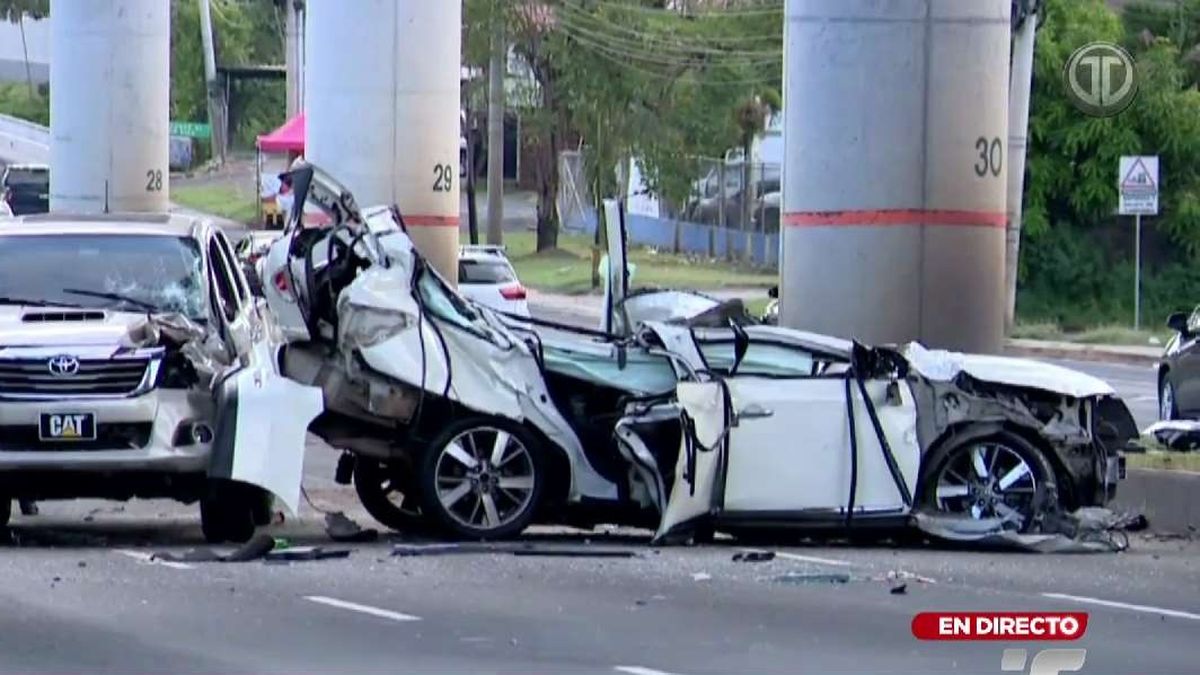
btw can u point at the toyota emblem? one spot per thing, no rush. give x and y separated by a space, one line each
63 365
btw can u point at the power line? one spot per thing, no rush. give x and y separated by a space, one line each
689 69
647 53
580 15
763 9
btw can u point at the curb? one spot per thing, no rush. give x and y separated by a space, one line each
1081 353
1170 500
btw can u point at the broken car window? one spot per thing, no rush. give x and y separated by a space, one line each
445 304
223 288
159 271
762 358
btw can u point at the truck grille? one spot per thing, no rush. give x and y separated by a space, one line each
119 436
95 377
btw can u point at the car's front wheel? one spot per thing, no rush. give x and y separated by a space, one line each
1168 408
1001 476
482 479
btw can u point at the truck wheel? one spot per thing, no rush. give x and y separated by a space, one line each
228 513
482 478
385 495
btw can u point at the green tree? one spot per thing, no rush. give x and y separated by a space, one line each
12 10
244 33
1077 263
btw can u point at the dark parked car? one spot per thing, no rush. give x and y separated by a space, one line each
1179 369
26 188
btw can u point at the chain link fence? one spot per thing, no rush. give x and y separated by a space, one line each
719 220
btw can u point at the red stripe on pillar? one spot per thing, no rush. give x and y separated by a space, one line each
877 217
431 221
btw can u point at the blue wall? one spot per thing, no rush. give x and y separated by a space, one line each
694 238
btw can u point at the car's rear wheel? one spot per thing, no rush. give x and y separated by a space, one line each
482 479
387 495
1168 408
232 511
999 476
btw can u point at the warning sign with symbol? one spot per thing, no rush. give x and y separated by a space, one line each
1139 186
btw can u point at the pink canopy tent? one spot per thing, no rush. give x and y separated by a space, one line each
287 138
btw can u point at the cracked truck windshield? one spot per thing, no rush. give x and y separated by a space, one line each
655 337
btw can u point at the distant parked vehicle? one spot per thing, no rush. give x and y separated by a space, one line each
26 188
1179 369
487 277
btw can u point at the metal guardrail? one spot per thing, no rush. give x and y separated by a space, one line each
23 141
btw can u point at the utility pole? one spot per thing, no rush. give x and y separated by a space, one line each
1020 83
215 117
495 125
293 57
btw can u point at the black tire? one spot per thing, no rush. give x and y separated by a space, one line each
376 484
5 511
228 513
1042 483
1166 387
511 523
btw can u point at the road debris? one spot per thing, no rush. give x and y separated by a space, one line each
255 549
754 556
903 575
701 576
304 553
813 578
412 550
899 589
341 528
1179 435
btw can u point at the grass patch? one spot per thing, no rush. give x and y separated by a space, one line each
1106 335
1170 461
568 269
218 200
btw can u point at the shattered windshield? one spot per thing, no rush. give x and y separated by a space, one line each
135 273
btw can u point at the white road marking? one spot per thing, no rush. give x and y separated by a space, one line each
638 670
814 559
1124 605
148 558
364 609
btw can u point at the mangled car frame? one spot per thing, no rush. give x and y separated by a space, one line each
481 424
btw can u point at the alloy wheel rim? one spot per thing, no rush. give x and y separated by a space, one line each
985 481
484 478
1166 406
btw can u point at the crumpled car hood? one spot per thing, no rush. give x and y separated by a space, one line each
944 366
15 331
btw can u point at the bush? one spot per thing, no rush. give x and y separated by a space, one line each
18 101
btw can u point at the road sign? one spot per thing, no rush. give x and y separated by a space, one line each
1138 186
191 129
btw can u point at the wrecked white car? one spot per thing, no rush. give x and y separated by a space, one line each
482 423
135 363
